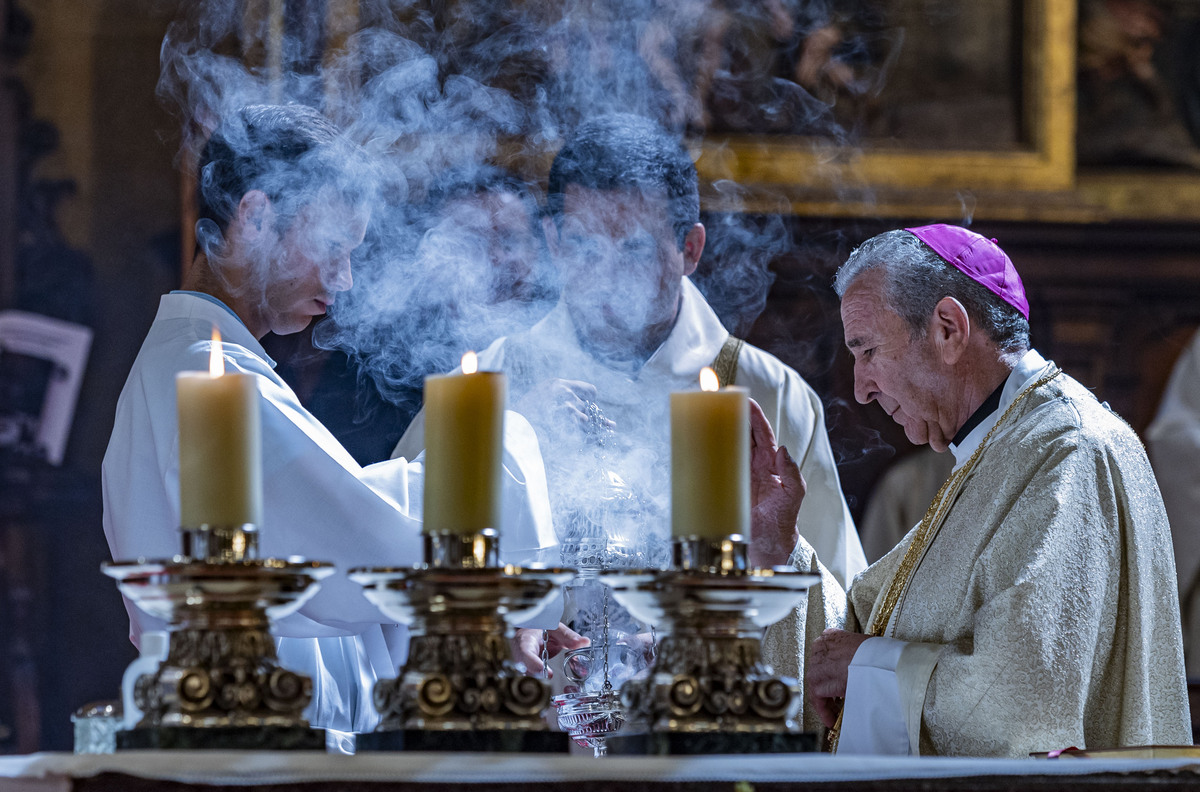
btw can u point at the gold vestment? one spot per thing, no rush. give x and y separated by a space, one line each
1043 613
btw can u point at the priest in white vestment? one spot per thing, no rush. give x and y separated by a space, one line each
275 257
1173 440
899 499
631 328
1034 607
594 376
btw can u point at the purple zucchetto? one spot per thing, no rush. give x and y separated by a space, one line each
978 258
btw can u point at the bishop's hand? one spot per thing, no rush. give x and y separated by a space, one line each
776 492
827 669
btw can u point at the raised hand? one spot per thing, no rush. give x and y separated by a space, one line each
555 406
776 492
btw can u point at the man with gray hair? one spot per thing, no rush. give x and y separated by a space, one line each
1034 607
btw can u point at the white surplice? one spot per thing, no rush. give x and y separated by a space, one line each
1043 614
317 503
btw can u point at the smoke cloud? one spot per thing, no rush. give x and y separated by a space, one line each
459 107
430 88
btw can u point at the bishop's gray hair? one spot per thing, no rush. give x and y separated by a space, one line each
916 279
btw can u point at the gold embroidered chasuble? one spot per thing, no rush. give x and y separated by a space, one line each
1044 612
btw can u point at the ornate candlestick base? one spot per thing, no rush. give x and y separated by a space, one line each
708 690
459 688
221 685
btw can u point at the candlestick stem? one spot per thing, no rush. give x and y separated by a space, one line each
220 544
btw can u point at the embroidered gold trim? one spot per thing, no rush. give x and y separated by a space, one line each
726 364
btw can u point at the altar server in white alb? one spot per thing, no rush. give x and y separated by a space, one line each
283 204
595 374
1034 607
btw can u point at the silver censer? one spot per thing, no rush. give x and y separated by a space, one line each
708 690
603 528
459 688
221 685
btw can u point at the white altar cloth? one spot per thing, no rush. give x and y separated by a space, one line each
47 771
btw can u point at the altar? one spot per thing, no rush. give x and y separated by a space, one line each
429 772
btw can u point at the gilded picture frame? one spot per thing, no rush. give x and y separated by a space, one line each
813 176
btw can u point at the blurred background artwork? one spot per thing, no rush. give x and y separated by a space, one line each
1139 83
41 367
1067 129
864 69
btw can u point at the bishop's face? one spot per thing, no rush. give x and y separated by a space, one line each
622 269
904 374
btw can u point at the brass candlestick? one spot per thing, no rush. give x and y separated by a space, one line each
459 688
221 685
708 690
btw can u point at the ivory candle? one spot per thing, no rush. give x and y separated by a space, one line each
464 436
220 446
710 461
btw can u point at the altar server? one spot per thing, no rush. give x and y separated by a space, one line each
1173 440
630 326
283 204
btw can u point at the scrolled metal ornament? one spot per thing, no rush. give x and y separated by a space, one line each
221 668
708 676
527 696
685 697
459 675
771 698
193 689
435 697
284 688
211 679
480 688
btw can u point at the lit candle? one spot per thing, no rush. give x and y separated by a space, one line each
220 446
464 436
710 461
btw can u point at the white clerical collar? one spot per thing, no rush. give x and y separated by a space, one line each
694 341
692 344
1030 365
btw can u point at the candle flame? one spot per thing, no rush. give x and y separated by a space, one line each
470 363
708 379
216 360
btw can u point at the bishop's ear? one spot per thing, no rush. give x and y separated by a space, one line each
950 329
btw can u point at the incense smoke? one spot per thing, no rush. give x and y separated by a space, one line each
459 107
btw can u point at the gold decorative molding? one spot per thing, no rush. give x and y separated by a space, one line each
1046 163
